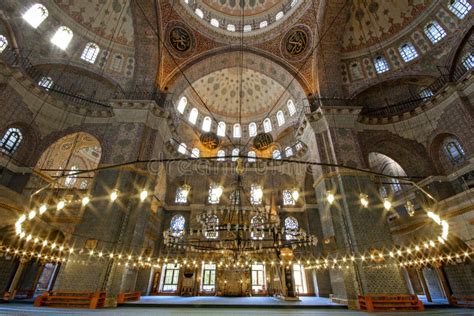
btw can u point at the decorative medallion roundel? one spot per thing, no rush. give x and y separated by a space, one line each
262 141
209 140
296 42
179 38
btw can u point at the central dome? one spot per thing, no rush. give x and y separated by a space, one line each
250 7
220 92
237 17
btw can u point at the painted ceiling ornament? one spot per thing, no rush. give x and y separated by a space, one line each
179 38
262 141
209 140
296 42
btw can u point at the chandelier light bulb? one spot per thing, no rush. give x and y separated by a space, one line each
113 195
387 204
364 200
85 200
60 205
330 197
22 219
143 195
295 195
31 214
43 209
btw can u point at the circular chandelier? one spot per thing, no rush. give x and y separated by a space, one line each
238 230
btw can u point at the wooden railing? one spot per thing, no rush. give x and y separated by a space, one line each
390 303
71 299
128 297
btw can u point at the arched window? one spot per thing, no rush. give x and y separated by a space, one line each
381 65
195 153
214 23
263 24
251 155
177 225
235 154
426 93
193 115
256 194
396 186
117 63
46 83
215 192
291 107
468 61
90 52
267 125
293 3
182 195
460 7
62 37
276 154
206 124
182 104
257 225
247 28
252 129
288 198
71 177
299 146
182 148
280 118
231 27
237 131
36 15
199 13
291 227
221 155
435 32
288 152
221 129
11 140
454 151
3 43
212 227
279 15
408 52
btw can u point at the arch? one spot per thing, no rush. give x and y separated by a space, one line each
384 164
228 57
76 151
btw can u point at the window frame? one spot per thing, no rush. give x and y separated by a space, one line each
408 56
8 146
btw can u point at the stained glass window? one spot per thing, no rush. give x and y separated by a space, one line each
90 52
208 277
276 154
221 129
177 225
291 107
256 194
182 104
251 156
435 32
193 115
460 8
258 277
257 224
221 155
36 15
408 52
454 151
3 43
381 65
11 140
468 61
252 129
215 192
62 37
212 227
237 131
288 198
206 124
280 118
288 152
267 125
181 195
291 227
